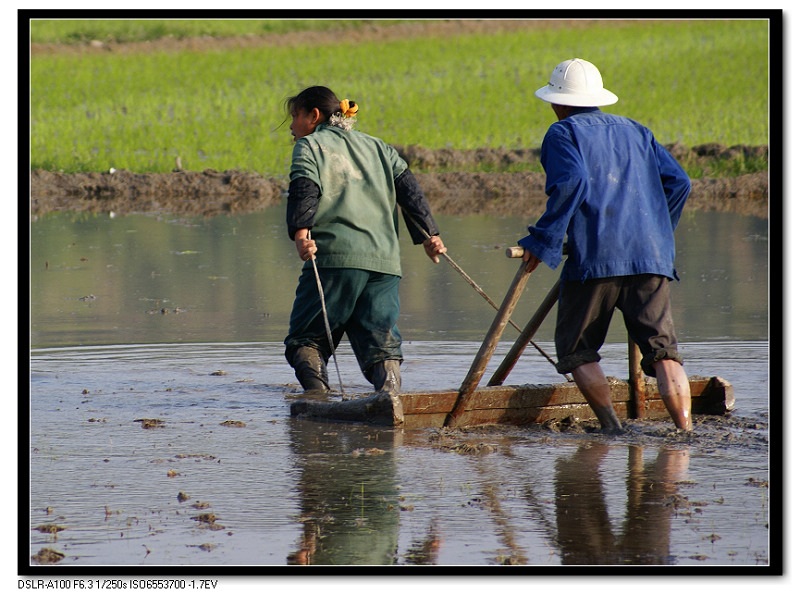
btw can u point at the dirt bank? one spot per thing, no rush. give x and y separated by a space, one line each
459 191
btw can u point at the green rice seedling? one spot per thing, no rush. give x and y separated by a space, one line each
127 30
222 109
740 165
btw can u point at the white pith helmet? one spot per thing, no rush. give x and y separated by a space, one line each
576 83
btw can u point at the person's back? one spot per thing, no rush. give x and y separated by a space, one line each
356 223
347 187
617 195
617 166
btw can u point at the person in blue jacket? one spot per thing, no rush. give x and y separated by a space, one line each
345 188
617 195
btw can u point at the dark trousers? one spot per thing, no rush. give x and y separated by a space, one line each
585 310
364 305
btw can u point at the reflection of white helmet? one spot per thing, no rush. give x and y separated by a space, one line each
576 83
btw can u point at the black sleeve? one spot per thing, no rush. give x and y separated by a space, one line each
415 208
302 206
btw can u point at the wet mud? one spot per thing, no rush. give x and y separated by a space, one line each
459 190
709 432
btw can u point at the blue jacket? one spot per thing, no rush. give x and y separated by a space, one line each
615 192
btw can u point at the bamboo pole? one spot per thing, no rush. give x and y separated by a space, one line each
489 344
526 336
511 252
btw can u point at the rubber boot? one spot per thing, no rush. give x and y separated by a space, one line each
310 370
386 376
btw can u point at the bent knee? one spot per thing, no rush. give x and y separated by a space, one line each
660 357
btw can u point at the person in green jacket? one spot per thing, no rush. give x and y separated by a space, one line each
345 187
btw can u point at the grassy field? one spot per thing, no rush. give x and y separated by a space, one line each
68 31
692 82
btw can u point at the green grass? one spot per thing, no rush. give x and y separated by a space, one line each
726 168
73 31
691 82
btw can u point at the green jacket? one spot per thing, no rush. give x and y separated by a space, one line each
356 223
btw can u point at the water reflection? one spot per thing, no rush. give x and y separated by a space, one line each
349 499
297 491
350 504
166 279
347 492
425 551
584 530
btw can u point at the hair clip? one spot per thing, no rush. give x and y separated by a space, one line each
349 108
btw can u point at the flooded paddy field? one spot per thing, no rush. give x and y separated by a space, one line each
160 434
186 455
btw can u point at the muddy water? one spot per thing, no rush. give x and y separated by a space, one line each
284 490
171 444
167 279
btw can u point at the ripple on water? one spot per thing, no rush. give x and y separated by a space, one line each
285 490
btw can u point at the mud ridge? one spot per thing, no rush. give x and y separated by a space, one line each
456 191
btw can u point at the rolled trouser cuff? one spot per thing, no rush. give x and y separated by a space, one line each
569 362
658 355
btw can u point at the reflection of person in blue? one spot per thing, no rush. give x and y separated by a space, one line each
584 528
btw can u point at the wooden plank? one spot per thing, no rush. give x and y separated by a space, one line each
520 405
524 416
425 421
713 397
379 409
525 396
515 416
520 396
429 402
636 380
